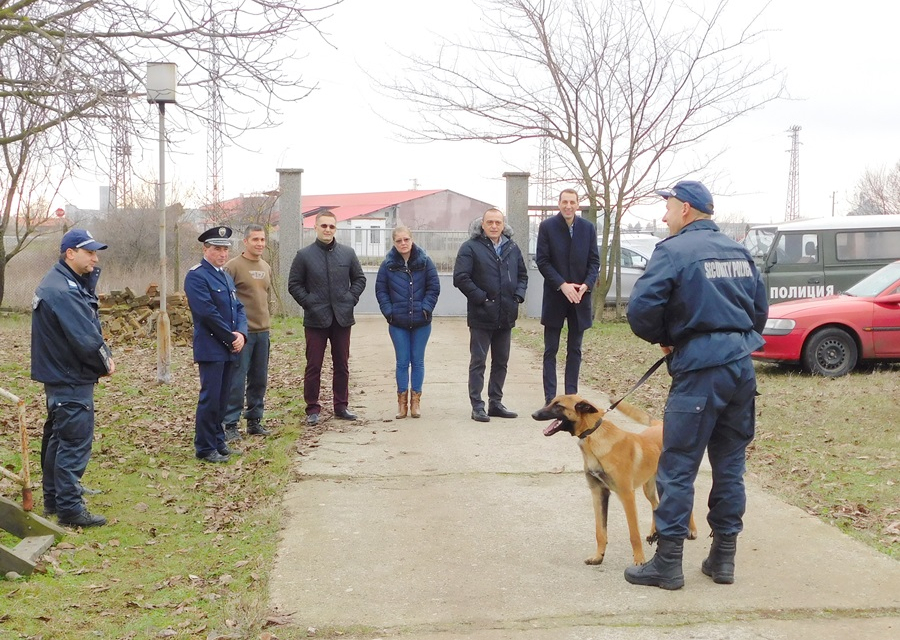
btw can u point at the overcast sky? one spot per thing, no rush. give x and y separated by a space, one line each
840 62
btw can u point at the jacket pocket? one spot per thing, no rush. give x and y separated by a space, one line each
681 430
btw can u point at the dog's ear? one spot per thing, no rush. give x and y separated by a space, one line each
584 406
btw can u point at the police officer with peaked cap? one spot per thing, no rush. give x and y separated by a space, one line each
220 331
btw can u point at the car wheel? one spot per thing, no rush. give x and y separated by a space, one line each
830 352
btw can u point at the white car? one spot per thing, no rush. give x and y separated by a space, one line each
633 259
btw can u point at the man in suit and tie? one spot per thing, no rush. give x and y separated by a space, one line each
568 258
220 331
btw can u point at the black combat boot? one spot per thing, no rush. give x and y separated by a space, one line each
664 570
719 565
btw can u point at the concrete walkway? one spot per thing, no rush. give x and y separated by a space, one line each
442 528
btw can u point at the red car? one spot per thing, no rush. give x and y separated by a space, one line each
829 336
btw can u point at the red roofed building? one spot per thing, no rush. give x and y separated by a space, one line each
435 209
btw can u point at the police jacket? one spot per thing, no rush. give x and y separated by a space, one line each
701 294
216 311
562 257
407 291
494 285
327 281
67 344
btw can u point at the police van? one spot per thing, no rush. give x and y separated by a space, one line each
824 256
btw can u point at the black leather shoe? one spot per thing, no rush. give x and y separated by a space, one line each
344 414
49 511
254 428
229 451
214 456
478 415
499 411
84 519
312 419
232 433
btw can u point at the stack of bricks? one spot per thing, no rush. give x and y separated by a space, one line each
127 317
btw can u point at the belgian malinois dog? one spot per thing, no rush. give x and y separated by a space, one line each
614 460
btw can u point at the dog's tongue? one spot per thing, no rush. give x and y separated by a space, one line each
553 427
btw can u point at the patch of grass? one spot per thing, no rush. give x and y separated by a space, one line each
189 546
828 446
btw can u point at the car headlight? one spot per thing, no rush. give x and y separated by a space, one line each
778 327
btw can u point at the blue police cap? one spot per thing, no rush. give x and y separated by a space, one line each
217 236
692 192
80 239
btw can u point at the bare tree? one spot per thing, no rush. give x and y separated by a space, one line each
67 66
610 83
878 192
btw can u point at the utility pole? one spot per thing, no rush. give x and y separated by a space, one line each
833 194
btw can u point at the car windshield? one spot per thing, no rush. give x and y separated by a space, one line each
877 282
758 240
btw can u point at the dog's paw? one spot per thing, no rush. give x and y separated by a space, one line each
594 560
692 535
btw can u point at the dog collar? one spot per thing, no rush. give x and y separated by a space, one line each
585 434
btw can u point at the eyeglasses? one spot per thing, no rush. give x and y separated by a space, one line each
328 226
402 240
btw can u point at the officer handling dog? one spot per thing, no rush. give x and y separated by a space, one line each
703 301
220 331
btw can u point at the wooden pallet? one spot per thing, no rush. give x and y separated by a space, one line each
37 535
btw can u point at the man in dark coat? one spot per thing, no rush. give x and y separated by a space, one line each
568 258
490 272
327 280
69 355
220 332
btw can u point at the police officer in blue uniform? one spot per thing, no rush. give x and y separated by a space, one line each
69 355
703 301
220 331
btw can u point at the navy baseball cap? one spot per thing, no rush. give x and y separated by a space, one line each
217 236
80 239
692 192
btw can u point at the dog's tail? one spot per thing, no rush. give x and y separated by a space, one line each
637 414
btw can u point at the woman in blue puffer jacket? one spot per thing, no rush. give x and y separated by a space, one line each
407 289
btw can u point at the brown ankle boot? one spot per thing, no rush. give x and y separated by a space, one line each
414 403
401 404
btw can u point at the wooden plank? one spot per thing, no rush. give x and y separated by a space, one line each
9 561
32 548
23 524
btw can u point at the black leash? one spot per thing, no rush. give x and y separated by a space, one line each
656 365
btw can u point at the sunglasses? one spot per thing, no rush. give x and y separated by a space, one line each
328 226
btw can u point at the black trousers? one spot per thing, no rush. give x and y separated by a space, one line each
573 360
498 342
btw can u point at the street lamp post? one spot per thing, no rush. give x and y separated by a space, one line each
161 87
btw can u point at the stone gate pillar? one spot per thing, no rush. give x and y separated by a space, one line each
289 226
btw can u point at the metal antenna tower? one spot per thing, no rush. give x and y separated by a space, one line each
120 194
544 194
214 131
792 208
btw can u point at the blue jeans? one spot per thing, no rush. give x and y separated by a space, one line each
251 374
71 408
409 347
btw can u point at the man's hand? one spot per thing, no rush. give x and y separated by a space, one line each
571 292
112 367
666 350
238 343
